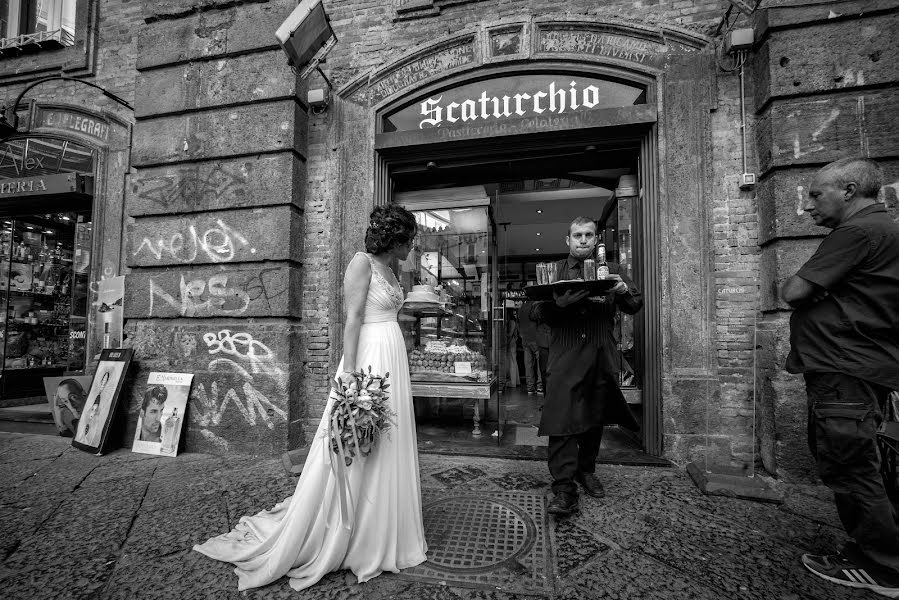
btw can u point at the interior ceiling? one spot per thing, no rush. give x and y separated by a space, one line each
534 198
531 220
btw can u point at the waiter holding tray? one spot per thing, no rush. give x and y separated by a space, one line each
582 393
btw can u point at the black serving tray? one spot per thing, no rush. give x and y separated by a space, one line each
599 287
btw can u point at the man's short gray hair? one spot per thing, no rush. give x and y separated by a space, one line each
866 174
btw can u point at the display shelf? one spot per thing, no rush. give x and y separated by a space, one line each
421 313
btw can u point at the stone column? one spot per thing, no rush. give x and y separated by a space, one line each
823 90
215 222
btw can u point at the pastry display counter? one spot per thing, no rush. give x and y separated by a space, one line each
446 317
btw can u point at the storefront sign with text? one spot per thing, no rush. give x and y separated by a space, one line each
48 184
73 121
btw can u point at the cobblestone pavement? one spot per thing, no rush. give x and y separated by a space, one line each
121 526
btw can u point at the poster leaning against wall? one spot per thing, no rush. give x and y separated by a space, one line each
163 403
98 419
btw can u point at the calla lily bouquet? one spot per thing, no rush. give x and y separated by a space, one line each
359 415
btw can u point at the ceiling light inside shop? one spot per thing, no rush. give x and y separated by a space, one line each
538 233
537 249
539 211
49 232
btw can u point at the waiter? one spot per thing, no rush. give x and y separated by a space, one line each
582 392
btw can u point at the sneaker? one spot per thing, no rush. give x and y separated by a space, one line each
591 484
563 504
842 571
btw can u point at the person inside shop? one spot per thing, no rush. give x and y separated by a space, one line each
844 339
527 329
151 413
582 393
513 376
69 402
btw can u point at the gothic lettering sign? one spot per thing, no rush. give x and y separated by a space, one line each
74 121
493 101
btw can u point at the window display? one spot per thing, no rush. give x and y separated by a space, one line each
44 264
446 316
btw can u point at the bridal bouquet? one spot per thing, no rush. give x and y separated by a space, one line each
360 414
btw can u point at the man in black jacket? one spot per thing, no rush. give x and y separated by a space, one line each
582 392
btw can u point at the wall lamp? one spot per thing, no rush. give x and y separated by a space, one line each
9 120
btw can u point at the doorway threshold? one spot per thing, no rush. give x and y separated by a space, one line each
519 442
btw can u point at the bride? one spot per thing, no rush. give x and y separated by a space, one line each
303 536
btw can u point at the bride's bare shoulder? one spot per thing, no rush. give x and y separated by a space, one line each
359 266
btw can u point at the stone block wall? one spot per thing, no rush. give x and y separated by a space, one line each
215 229
825 87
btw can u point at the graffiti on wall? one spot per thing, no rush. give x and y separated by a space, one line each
202 297
217 244
260 291
238 377
194 187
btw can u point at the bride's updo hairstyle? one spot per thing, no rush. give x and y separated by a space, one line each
389 226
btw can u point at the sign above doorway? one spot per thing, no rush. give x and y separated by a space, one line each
522 95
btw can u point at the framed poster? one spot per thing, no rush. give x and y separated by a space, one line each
66 396
102 404
110 292
162 413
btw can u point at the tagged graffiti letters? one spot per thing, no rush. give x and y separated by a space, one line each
201 298
216 244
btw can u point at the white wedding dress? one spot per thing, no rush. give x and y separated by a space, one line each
303 536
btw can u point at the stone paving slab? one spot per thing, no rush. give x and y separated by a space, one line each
121 526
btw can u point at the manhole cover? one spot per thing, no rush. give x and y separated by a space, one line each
486 540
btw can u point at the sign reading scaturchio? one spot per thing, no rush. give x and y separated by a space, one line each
514 96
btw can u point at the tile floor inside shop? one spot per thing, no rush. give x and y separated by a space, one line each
446 426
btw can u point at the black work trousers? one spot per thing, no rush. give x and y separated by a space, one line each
844 413
570 454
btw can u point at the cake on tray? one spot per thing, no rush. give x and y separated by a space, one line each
424 294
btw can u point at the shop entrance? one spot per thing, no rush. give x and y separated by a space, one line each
45 259
526 200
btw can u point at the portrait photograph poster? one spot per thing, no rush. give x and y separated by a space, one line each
102 403
67 396
163 402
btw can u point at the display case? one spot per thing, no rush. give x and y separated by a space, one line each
449 342
44 263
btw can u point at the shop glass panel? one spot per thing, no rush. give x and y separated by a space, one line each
448 341
38 277
30 157
5 257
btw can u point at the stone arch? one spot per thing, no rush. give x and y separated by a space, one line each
676 65
110 137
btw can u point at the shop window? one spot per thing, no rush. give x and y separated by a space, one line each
30 25
30 157
518 96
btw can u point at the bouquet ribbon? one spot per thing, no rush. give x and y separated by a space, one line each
338 464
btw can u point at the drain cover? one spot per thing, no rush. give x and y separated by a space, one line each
486 540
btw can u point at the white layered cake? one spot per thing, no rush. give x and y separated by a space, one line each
422 293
